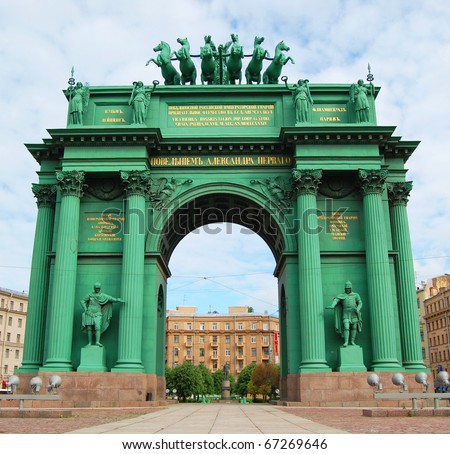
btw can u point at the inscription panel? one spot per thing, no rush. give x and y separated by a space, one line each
222 161
220 115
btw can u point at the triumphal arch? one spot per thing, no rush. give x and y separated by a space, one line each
221 139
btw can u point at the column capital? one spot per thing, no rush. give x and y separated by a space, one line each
306 181
45 194
136 181
71 182
372 181
399 192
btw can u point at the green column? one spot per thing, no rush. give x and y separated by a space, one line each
406 286
378 273
312 342
62 299
39 278
137 186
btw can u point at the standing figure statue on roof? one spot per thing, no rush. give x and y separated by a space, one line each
140 100
347 314
359 93
302 100
78 101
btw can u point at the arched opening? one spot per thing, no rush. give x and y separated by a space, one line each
208 283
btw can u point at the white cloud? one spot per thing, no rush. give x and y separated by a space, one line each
407 44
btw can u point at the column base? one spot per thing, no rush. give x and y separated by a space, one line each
93 359
415 367
380 366
128 367
56 367
29 368
314 367
351 359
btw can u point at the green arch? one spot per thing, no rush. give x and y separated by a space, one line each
276 229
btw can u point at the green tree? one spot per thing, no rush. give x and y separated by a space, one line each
208 381
169 378
244 379
266 378
218 377
188 380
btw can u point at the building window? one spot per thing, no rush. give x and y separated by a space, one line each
19 323
3 303
7 353
214 339
266 351
265 326
189 340
18 338
1 319
227 326
422 336
214 327
189 352
253 325
215 365
21 307
201 339
8 337
16 354
240 339
424 354
227 352
11 305
9 321
176 339
240 326
265 339
188 325
227 339
202 326
175 326
202 352
253 351
253 339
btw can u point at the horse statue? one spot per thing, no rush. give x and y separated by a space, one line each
208 53
168 71
273 71
234 60
187 67
254 68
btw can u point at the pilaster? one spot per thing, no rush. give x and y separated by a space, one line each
306 183
378 273
137 185
61 305
39 278
406 287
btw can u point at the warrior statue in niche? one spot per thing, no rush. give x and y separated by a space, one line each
348 320
97 314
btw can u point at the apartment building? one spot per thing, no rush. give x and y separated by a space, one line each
437 322
238 338
13 314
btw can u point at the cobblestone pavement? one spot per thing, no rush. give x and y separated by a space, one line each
348 419
351 420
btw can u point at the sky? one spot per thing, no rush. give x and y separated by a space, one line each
331 41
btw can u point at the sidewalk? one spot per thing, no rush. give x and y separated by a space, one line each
214 419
